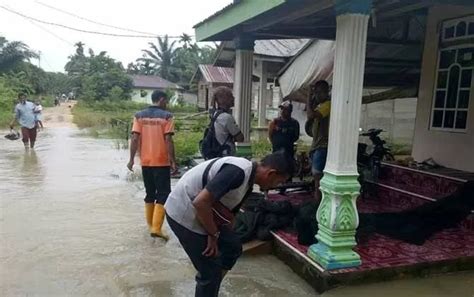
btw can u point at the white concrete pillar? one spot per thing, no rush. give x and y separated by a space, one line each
337 214
262 96
349 62
243 85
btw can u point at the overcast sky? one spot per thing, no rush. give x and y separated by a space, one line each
172 17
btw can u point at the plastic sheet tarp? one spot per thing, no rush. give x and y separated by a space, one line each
314 63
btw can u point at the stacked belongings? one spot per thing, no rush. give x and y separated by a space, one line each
413 226
13 135
417 225
260 216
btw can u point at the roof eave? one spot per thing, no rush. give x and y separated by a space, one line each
235 14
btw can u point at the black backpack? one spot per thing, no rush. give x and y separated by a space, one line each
209 146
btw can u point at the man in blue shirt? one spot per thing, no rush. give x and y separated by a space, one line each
26 117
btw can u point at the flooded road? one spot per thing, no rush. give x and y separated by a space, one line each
71 224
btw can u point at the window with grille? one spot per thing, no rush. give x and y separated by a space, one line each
454 81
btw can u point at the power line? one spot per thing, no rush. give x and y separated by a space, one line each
92 21
80 30
48 31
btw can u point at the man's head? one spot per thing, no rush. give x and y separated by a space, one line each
159 99
286 109
22 97
321 90
273 170
223 97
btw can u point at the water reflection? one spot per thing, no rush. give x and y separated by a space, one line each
71 224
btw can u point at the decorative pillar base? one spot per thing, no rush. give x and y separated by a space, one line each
337 220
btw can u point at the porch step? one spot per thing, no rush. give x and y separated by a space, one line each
257 247
419 182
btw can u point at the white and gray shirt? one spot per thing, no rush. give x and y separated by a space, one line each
228 182
226 129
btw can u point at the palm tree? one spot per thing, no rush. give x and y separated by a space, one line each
161 56
185 39
12 53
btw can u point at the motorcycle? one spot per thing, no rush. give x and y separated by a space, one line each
371 161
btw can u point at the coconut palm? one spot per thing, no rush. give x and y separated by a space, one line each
12 53
161 56
186 40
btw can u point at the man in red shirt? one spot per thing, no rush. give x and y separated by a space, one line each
153 130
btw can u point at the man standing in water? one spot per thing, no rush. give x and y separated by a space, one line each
26 117
153 130
318 110
214 185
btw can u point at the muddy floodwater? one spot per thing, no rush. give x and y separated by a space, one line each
71 224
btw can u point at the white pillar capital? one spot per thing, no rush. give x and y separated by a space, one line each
353 7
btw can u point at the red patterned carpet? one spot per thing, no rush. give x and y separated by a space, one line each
381 251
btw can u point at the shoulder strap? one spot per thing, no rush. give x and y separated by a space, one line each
206 172
249 190
214 117
217 113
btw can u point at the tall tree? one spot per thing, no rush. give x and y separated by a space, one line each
161 57
186 40
13 53
97 76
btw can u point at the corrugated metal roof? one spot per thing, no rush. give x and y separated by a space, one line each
217 74
227 7
152 82
279 47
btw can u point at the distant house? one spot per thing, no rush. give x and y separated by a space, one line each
144 85
208 78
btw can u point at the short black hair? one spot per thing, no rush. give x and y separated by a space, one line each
157 95
323 84
21 95
283 164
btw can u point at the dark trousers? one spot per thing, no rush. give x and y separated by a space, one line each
28 135
157 183
209 276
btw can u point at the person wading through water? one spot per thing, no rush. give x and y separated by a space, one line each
153 130
198 208
26 117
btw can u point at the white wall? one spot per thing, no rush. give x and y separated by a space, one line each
136 96
450 149
396 117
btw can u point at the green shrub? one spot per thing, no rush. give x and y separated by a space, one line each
261 148
186 145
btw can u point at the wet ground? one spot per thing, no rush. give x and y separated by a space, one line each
71 224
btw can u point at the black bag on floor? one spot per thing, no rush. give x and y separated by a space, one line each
306 224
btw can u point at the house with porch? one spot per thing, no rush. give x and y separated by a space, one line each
269 57
376 43
144 85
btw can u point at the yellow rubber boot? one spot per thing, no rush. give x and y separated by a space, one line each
149 208
158 218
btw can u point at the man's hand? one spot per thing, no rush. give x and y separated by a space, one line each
211 250
130 165
174 168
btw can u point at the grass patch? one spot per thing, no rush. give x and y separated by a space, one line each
261 148
186 145
400 148
111 120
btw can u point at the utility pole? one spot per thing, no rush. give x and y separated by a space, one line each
39 59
